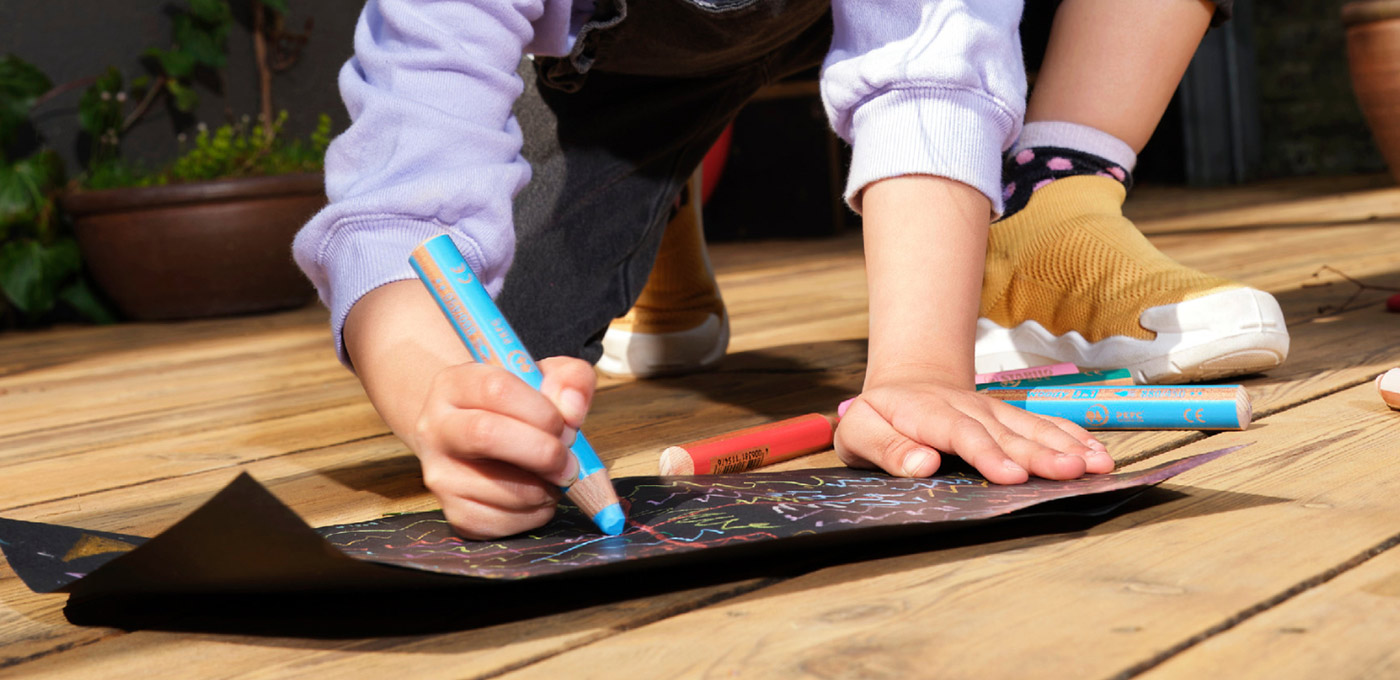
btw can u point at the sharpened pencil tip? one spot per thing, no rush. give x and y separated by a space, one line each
611 520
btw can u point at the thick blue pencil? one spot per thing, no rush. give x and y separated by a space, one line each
1145 407
491 340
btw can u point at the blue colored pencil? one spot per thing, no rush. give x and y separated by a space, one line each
1145 407
490 339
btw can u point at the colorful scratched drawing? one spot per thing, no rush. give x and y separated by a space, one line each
245 537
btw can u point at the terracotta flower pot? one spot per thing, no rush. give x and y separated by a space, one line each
197 250
1373 53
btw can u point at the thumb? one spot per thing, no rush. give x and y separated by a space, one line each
569 383
865 439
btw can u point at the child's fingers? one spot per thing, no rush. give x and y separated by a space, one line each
569 384
487 499
966 429
1058 434
499 485
865 439
1098 460
1082 435
1036 458
480 520
482 386
476 434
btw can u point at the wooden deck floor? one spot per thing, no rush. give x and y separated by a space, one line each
1277 561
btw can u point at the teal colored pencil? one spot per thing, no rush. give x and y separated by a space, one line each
490 339
1120 376
1145 407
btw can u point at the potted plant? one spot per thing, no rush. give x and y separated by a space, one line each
41 274
209 233
1373 57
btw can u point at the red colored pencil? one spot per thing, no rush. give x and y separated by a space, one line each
750 448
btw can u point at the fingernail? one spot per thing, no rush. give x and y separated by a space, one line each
570 472
568 436
1012 466
573 406
915 462
843 406
1097 446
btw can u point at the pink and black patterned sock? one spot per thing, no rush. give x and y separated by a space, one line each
1028 169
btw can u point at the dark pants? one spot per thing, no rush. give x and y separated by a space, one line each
613 132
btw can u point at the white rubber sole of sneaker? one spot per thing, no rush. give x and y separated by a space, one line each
649 355
1234 332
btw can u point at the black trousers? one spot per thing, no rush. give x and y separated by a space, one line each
612 133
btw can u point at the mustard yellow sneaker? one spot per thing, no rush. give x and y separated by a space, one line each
679 323
1070 279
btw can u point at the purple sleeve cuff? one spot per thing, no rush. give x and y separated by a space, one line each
957 134
363 253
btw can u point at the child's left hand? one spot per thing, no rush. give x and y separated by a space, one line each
902 426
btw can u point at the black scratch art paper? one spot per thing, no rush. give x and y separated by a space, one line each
245 541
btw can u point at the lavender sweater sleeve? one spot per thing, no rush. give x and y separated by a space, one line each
917 86
934 87
432 147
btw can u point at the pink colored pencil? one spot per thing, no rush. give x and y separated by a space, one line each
1026 373
984 378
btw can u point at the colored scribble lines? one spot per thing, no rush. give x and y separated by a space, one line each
670 515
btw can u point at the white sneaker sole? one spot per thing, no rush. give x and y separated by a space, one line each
1234 332
648 355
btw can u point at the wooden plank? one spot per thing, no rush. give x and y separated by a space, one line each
476 653
258 430
28 350
43 403
1091 604
1283 260
1319 200
351 482
1348 627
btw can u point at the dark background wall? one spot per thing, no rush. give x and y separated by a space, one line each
1307 119
73 39
1308 116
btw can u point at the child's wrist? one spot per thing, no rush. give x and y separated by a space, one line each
956 374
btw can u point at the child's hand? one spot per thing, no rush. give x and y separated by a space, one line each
902 426
494 450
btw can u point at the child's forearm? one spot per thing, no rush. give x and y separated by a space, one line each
925 245
397 340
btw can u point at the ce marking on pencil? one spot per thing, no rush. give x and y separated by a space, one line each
1195 415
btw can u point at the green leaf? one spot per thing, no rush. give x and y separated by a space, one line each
279 6
61 261
173 63
15 203
80 297
92 112
37 178
19 78
186 99
110 80
211 11
21 83
22 277
43 170
201 44
95 114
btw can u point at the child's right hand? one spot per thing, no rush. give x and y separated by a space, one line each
494 451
